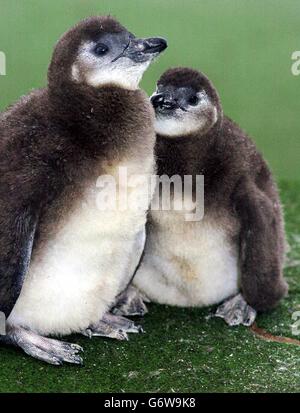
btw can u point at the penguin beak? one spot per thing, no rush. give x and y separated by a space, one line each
164 102
143 50
160 100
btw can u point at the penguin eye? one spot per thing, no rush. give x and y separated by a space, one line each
100 49
193 100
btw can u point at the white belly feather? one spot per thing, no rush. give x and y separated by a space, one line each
188 264
75 280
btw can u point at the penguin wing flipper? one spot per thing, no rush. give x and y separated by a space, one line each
16 239
261 257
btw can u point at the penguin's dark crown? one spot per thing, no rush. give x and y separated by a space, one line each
184 77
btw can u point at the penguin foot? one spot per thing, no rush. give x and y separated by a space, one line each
46 349
236 311
131 303
112 326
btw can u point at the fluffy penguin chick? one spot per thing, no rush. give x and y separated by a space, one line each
63 258
236 251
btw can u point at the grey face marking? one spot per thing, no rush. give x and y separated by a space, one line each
182 111
115 58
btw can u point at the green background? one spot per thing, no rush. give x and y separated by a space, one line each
245 47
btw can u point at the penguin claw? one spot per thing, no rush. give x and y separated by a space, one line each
116 334
77 347
51 351
131 303
87 332
236 311
113 326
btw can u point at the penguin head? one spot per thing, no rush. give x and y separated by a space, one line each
185 103
99 51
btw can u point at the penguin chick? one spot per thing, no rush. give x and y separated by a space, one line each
236 252
63 258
